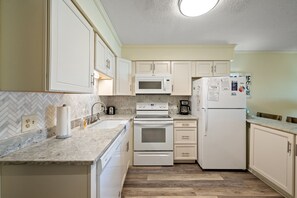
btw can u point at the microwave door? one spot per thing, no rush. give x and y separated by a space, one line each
150 86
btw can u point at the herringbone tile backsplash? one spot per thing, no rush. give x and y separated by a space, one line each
13 105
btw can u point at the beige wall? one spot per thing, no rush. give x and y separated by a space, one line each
178 52
274 81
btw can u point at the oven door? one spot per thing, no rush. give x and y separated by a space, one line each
153 135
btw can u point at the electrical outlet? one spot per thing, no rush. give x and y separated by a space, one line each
29 122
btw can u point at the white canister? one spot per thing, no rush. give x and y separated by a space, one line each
63 122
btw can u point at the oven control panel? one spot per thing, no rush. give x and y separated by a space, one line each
152 106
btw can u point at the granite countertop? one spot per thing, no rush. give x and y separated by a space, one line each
274 124
84 147
183 117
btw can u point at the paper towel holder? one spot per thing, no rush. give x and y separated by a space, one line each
63 128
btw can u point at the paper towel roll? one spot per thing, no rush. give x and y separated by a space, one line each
63 122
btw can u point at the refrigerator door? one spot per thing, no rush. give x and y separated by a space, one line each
222 139
223 92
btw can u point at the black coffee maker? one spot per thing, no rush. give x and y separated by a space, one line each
184 107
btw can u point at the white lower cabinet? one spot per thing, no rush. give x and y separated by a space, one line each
295 168
272 157
185 140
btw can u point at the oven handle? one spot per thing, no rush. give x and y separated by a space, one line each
154 123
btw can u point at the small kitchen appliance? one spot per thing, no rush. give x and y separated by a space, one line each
153 135
184 107
111 110
157 84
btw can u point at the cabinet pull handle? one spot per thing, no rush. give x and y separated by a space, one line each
172 88
92 79
212 69
215 69
108 63
127 146
185 153
185 137
289 147
185 124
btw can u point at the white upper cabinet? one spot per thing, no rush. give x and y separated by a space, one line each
99 54
123 77
104 58
71 49
181 78
211 68
55 52
221 68
153 67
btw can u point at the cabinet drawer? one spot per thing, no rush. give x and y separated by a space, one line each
185 152
185 123
185 135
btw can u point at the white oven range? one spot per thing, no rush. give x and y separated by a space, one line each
153 135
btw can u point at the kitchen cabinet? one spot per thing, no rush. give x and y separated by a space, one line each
153 67
123 77
45 46
185 140
104 58
126 152
48 181
181 78
271 156
211 68
296 167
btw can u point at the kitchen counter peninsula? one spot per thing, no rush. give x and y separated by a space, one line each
274 124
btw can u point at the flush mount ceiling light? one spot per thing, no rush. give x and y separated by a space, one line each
192 8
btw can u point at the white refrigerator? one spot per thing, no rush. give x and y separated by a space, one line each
220 104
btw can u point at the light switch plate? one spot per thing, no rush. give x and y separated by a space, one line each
29 122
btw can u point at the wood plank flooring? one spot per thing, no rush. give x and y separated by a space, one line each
189 181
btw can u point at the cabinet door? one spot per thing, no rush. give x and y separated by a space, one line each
221 68
181 78
100 55
144 67
162 67
295 168
272 156
109 62
123 77
204 68
71 56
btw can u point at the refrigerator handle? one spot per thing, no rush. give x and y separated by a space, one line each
206 122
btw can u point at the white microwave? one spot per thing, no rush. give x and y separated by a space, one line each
148 84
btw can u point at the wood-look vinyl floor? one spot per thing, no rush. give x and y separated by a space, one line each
189 181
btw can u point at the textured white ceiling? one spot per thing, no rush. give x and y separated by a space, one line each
251 24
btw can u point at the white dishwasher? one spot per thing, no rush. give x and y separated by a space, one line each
109 170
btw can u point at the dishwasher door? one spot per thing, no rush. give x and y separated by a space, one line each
110 179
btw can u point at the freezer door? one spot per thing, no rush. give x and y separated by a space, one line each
225 92
199 95
222 139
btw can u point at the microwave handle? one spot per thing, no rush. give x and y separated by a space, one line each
164 83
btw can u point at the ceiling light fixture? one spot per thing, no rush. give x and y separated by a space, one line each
192 8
